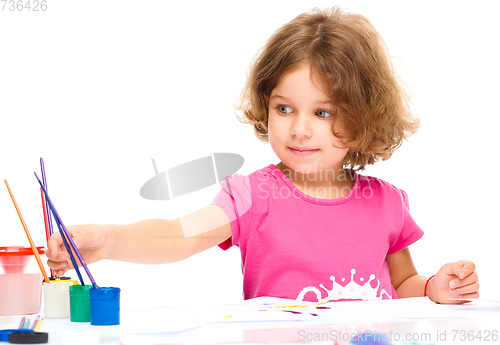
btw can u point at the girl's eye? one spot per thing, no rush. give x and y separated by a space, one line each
284 109
323 113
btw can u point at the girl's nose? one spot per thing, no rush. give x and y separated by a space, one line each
301 127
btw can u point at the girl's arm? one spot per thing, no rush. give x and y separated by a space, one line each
153 241
454 280
404 276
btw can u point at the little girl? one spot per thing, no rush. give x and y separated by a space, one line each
323 93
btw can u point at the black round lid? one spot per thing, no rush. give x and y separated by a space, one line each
28 338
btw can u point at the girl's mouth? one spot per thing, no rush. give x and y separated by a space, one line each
302 151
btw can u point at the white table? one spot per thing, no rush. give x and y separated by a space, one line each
405 321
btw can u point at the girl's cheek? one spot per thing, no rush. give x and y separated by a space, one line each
272 143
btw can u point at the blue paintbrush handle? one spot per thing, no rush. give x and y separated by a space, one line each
66 244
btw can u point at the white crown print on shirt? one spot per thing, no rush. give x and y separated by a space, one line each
351 291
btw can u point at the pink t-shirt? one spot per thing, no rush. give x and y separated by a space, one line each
299 247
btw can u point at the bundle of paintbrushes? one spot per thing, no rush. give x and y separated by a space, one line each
67 239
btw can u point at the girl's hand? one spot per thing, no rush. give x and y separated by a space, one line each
454 280
91 240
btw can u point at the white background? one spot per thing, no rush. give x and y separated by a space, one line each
98 88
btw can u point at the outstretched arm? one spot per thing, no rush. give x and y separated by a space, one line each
151 241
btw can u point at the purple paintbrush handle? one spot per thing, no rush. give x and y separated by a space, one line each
44 179
66 232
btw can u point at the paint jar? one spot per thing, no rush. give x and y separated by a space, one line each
104 306
79 303
56 298
20 281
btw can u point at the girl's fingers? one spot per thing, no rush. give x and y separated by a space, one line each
56 265
54 245
462 280
468 280
464 268
461 269
460 299
467 289
61 267
474 295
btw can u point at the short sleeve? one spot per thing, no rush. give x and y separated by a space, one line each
410 231
235 199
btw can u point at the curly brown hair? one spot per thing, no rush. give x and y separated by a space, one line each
348 57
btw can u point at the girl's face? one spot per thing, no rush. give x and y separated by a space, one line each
299 125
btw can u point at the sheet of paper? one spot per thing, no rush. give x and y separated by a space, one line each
484 311
269 309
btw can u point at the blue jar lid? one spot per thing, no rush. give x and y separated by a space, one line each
104 292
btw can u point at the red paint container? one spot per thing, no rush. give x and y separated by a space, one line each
20 281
